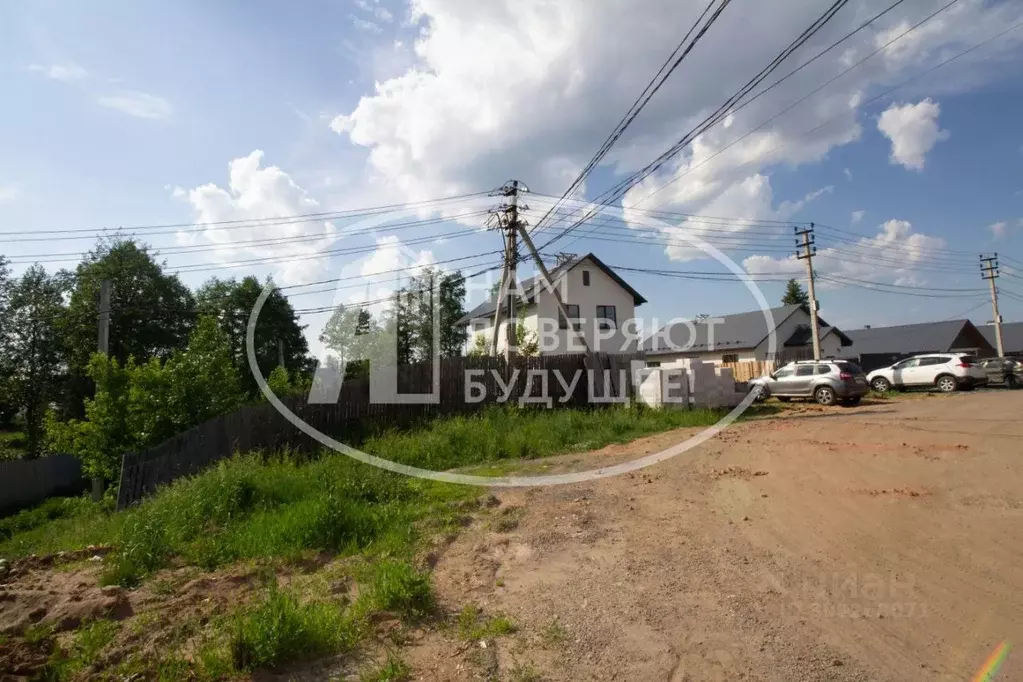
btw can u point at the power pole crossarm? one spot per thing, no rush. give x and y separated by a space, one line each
804 240
989 271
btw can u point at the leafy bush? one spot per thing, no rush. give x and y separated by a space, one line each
139 405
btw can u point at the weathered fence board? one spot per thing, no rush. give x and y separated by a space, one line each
26 481
353 416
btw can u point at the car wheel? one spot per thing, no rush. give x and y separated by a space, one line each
1011 381
946 384
881 385
758 393
824 395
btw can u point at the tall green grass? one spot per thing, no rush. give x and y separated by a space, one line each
511 433
280 507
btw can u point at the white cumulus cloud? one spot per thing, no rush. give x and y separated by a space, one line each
888 256
257 192
857 216
998 229
913 130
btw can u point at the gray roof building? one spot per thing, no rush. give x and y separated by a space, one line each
1012 337
914 339
741 331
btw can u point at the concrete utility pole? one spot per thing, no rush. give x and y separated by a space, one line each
804 239
989 271
103 345
514 227
511 259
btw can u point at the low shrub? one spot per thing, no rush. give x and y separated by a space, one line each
399 587
279 629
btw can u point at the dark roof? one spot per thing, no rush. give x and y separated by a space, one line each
529 285
1012 336
925 337
732 332
804 336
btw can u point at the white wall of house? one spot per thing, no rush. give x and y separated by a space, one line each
485 327
602 290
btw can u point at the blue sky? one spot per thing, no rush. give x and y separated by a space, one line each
131 113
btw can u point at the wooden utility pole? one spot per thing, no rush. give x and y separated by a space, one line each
804 239
280 352
989 271
103 346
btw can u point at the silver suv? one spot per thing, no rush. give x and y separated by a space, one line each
826 381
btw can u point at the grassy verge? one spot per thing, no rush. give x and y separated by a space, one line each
497 434
271 510
279 507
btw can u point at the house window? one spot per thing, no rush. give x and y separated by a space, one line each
573 312
586 278
606 317
730 357
653 364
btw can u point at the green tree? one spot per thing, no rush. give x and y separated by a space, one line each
231 302
794 294
8 405
151 312
428 295
204 380
137 406
34 348
103 435
347 332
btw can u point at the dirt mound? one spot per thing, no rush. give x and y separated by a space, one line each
62 600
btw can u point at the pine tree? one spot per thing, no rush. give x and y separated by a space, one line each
795 294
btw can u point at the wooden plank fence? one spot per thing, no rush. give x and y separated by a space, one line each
353 416
26 481
750 369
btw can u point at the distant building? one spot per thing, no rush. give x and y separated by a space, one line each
744 337
599 302
1012 337
875 347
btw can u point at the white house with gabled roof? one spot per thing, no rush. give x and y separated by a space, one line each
601 306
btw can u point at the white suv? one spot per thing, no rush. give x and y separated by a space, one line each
947 371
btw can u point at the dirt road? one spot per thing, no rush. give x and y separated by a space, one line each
878 543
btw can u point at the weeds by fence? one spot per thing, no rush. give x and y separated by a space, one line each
353 417
27 481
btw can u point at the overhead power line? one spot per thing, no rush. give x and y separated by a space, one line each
240 222
807 96
71 256
677 56
614 193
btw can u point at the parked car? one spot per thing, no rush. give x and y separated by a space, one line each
826 381
1002 371
946 371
